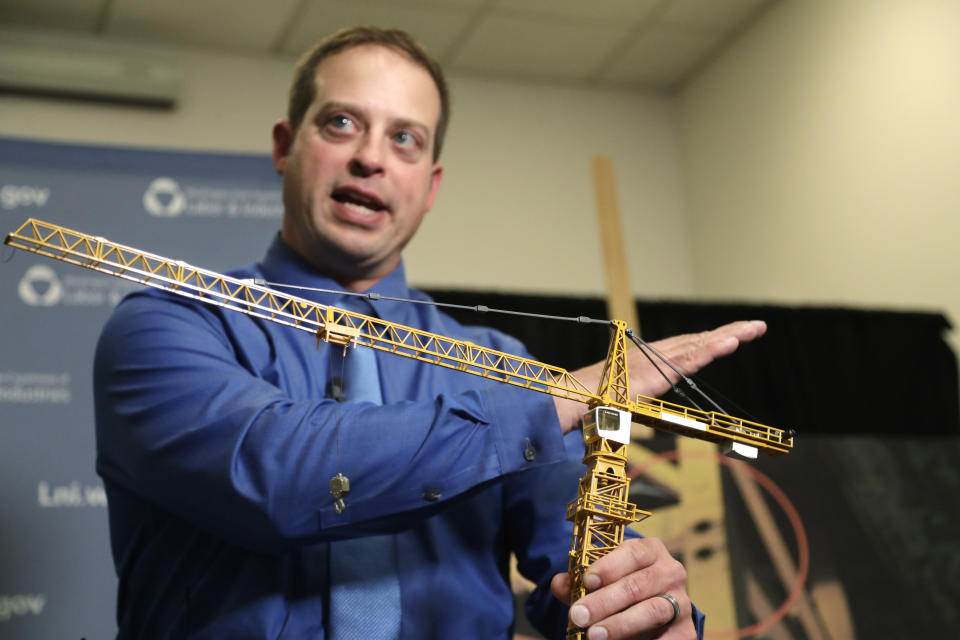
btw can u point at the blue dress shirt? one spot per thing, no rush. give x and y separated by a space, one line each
216 442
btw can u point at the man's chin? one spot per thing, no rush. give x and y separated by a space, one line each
354 262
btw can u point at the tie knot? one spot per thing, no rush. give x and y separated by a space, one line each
357 304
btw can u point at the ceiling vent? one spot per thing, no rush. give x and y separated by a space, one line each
88 75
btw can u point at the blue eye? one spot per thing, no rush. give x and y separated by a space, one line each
341 122
403 138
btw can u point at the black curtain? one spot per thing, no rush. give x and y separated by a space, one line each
818 370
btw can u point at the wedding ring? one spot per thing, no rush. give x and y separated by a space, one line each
676 607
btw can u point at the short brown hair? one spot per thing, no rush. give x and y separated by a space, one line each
303 90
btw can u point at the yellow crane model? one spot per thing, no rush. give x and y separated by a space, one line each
601 510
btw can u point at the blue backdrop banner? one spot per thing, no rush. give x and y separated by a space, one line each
217 211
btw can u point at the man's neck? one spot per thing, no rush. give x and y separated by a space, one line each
352 278
357 286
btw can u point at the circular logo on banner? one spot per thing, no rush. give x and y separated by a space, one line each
40 286
163 198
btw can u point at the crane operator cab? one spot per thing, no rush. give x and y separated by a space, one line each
607 423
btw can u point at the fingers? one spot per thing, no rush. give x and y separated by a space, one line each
560 587
623 587
689 353
698 349
651 618
632 555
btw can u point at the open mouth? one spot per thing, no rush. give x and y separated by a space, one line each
358 201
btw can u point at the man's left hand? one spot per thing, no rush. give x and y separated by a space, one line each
622 589
690 352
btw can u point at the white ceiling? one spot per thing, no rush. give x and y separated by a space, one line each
650 44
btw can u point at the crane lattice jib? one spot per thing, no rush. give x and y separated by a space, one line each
341 326
246 297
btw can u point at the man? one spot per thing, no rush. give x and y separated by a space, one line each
218 434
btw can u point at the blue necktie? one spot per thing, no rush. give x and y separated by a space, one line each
364 589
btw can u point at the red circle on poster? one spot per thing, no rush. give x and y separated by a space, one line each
803 548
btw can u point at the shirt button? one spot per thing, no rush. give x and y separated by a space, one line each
431 495
530 452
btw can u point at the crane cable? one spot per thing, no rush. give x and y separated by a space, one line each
480 308
645 348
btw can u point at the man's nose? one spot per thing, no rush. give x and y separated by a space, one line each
367 158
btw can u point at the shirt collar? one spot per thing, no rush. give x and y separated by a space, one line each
283 265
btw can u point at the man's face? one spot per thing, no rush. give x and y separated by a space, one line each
358 174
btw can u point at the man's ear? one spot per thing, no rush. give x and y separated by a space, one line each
436 176
282 141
